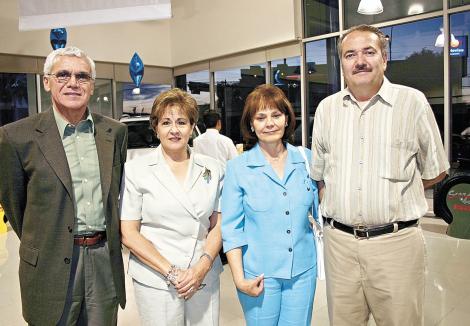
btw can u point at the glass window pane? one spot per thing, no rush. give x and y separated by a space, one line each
320 17
17 97
102 99
100 102
137 104
232 88
460 89
457 3
392 9
197 84
322 74
416 61
285 74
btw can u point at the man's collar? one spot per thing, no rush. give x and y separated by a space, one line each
384 92
62 123
212 131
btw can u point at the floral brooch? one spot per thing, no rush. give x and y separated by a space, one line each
207 175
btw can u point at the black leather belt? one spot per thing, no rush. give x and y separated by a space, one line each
368 231
89 239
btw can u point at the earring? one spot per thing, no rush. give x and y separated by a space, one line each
252 129
286 124
158 136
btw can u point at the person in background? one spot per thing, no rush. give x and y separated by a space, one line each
266 232
170 221
212 143
376 147
61 174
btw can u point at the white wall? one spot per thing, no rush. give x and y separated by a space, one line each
203 29
199 30
109 42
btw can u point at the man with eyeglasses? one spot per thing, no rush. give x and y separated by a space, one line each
376 147
60 177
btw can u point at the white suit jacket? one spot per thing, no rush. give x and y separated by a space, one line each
174 218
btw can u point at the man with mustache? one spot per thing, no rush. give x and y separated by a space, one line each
376 147
60 177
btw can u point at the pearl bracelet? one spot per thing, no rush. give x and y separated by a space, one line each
172 275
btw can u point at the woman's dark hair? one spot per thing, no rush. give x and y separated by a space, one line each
265 96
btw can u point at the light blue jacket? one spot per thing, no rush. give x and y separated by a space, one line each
268 217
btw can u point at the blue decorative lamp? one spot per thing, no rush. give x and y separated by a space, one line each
58 38
136 70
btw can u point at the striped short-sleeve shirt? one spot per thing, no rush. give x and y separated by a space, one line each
373 159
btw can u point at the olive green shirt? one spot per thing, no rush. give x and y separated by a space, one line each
82 157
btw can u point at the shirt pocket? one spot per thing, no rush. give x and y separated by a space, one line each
401 164
258 203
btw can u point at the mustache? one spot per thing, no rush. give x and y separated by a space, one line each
361 69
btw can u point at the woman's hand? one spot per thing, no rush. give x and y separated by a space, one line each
252 287
190 280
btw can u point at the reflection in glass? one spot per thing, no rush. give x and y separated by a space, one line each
415 61
137 104
197 84
392 9
460 90
100 102
322 76
457 3
17 97
232 88
321 17
285 74
102 99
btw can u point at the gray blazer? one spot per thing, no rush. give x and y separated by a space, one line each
36 193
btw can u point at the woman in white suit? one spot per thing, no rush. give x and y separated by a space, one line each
170 221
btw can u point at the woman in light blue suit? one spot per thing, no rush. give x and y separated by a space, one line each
266 233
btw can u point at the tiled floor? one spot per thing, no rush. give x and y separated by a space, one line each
447 284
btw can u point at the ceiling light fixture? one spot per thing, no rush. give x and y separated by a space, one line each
415 9
370 7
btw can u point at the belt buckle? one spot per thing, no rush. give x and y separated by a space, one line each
362 228
86 236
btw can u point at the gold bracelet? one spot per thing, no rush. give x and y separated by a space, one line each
211 260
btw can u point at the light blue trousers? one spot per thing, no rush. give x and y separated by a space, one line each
283 302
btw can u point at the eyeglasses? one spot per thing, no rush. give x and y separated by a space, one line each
64 76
